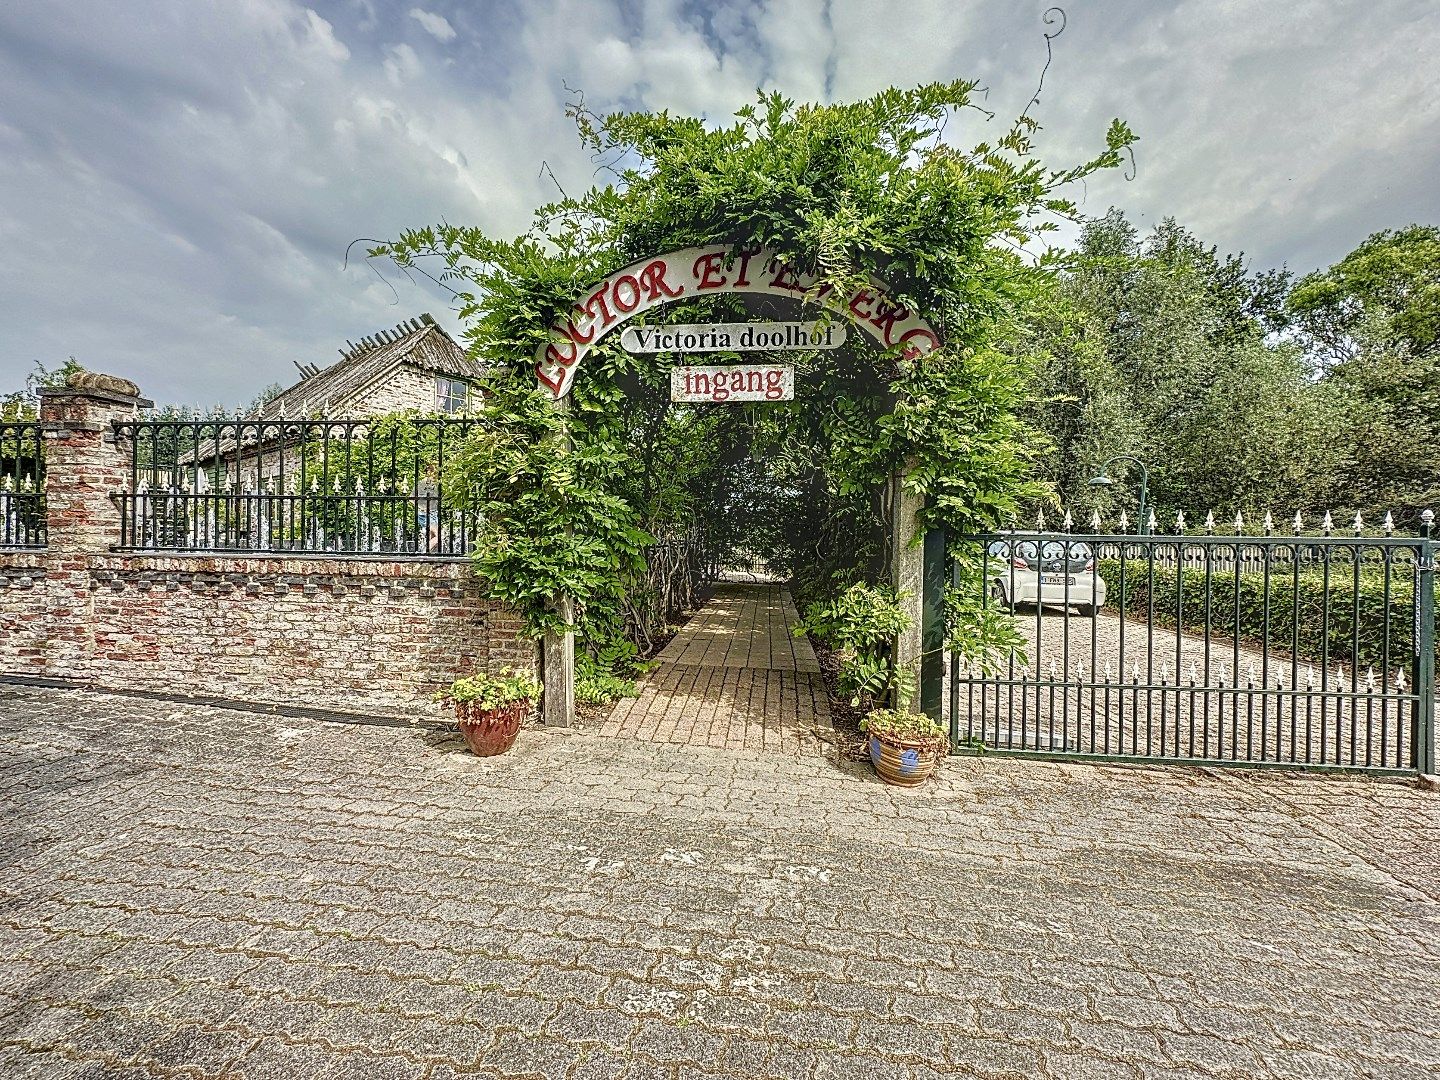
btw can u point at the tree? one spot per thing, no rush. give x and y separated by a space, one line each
1371 322
23 404
1160 347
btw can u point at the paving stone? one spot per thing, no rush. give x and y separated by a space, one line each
368 903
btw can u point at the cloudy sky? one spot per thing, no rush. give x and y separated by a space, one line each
179 179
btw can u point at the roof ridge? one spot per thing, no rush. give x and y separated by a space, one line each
389 336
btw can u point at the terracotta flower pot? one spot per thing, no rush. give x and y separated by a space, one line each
491 731
904 762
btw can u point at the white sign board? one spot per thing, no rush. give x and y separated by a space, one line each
717 268
732 337
741 382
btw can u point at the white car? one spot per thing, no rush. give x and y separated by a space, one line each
1048 573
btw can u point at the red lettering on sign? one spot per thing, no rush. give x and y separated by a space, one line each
608 316
707 270
775 383
574 333
886 317
746 254
911 351
553 384
786 278
653 278
555 356
860 304
631 297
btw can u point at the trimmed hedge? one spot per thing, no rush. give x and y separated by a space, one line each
1304 634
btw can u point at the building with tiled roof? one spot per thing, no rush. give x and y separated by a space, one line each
416 365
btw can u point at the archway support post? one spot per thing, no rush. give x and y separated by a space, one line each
907 577
557 650
557 653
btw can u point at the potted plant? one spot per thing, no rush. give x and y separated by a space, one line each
904 746
491 708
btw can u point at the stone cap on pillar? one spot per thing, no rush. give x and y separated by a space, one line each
99 387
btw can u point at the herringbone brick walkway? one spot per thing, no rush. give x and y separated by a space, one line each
733 677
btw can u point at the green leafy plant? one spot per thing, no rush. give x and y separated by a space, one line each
485 692
903 726
597 684
859 623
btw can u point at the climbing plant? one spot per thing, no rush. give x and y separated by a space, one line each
842 193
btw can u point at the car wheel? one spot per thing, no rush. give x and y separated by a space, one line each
1086 611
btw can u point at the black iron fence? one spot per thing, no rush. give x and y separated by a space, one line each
22 485
285 486
1314 650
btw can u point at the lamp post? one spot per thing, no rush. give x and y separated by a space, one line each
1103 480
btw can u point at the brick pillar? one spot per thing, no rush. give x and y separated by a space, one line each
84 463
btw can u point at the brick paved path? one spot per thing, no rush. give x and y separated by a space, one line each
733 677
191 892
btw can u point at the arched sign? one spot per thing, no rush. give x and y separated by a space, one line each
703 271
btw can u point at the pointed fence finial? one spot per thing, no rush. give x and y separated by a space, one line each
1299 525
1250 673
1068 523
1309 677
1180 522
1359 523
1040 519
1164 673
1150 522
1370 679
1400 682
1109 672
1239 524
1134 671
1095 521
1210 522
1269 523
1327 524
1389 523
1220 673
1194 673
1050 670
1124 523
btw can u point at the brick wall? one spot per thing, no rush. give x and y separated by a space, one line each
370 635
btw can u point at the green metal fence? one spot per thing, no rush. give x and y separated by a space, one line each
1315 651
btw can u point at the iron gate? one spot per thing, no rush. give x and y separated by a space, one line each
1312 651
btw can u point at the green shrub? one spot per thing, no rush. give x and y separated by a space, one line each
859 624
1304 633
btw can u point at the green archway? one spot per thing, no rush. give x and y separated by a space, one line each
835 199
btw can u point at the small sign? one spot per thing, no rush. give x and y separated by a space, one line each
733 337
741 382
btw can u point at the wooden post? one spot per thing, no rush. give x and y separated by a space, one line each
557 651
558 675
907 577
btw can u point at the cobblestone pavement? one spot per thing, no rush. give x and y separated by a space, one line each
187 891
733 677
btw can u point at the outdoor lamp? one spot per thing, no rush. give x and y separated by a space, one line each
1102 480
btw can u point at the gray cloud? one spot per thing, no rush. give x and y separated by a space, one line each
178 182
